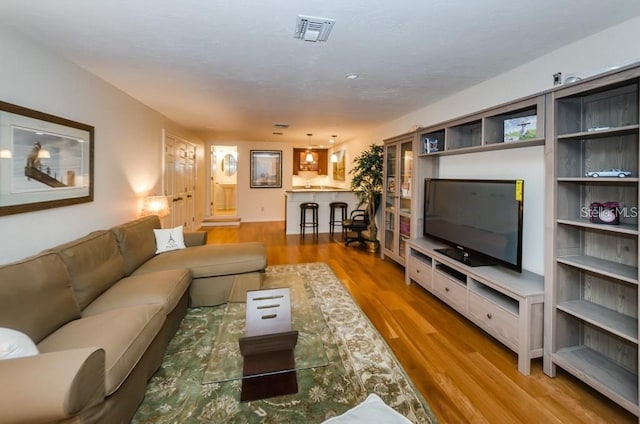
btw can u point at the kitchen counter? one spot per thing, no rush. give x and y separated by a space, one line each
322 195
304 189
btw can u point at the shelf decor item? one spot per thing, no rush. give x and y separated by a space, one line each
47 161
518 129
391 184
431 145
366 182
604 213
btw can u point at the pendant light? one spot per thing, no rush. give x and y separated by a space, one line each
309 157
334 157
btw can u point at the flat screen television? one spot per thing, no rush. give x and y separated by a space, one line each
480 220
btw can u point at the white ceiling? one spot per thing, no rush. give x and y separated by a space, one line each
232 68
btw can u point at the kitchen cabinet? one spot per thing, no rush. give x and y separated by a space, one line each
319 163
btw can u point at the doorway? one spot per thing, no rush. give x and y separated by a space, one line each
224 181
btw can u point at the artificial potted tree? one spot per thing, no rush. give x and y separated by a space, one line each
366 182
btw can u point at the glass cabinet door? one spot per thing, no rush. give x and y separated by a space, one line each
390 184
404 194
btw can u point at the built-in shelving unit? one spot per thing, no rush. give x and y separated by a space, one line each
591 278
591 268
506 304
514 125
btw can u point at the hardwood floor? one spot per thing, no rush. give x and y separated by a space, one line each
464 374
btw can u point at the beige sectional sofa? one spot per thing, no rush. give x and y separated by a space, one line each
101 311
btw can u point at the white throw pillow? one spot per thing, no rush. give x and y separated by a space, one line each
14 344
372 410
169 239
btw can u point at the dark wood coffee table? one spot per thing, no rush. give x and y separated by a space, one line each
269 364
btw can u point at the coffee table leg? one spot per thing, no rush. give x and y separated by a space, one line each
266 386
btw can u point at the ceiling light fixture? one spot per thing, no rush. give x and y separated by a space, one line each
351 76
309 157
310 28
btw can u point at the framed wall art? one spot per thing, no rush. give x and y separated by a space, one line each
339 166
266 169
45 161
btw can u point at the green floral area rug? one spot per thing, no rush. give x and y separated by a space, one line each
359 363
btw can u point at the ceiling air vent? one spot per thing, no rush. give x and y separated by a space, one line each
309 28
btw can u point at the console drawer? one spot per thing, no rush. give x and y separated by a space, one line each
450 290
420 272
498 322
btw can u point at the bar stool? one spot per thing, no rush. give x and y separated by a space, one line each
313 207
332 216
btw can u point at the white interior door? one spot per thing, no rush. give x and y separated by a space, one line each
190 186
180 181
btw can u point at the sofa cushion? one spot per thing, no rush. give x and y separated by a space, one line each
371 410
124 334
14 344
211 259
136 241
169 239
164 288
94 264
36 296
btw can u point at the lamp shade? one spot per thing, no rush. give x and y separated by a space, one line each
309 157
155 205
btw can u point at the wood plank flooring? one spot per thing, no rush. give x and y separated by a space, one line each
464 374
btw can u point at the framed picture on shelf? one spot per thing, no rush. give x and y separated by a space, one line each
391 184
518 129
431 145
266 169
45 161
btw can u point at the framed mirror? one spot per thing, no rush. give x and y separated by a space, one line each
229 165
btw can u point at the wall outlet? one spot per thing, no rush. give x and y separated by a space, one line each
262 209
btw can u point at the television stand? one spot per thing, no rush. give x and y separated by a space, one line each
506 304
470 259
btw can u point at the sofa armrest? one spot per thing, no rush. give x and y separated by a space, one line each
51 386
195 238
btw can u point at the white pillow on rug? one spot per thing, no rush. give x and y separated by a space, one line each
372 410
14 344
169 239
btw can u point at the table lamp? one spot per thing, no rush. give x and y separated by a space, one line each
155 205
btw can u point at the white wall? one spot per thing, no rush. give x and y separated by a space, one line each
260 204
125 132
616 46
